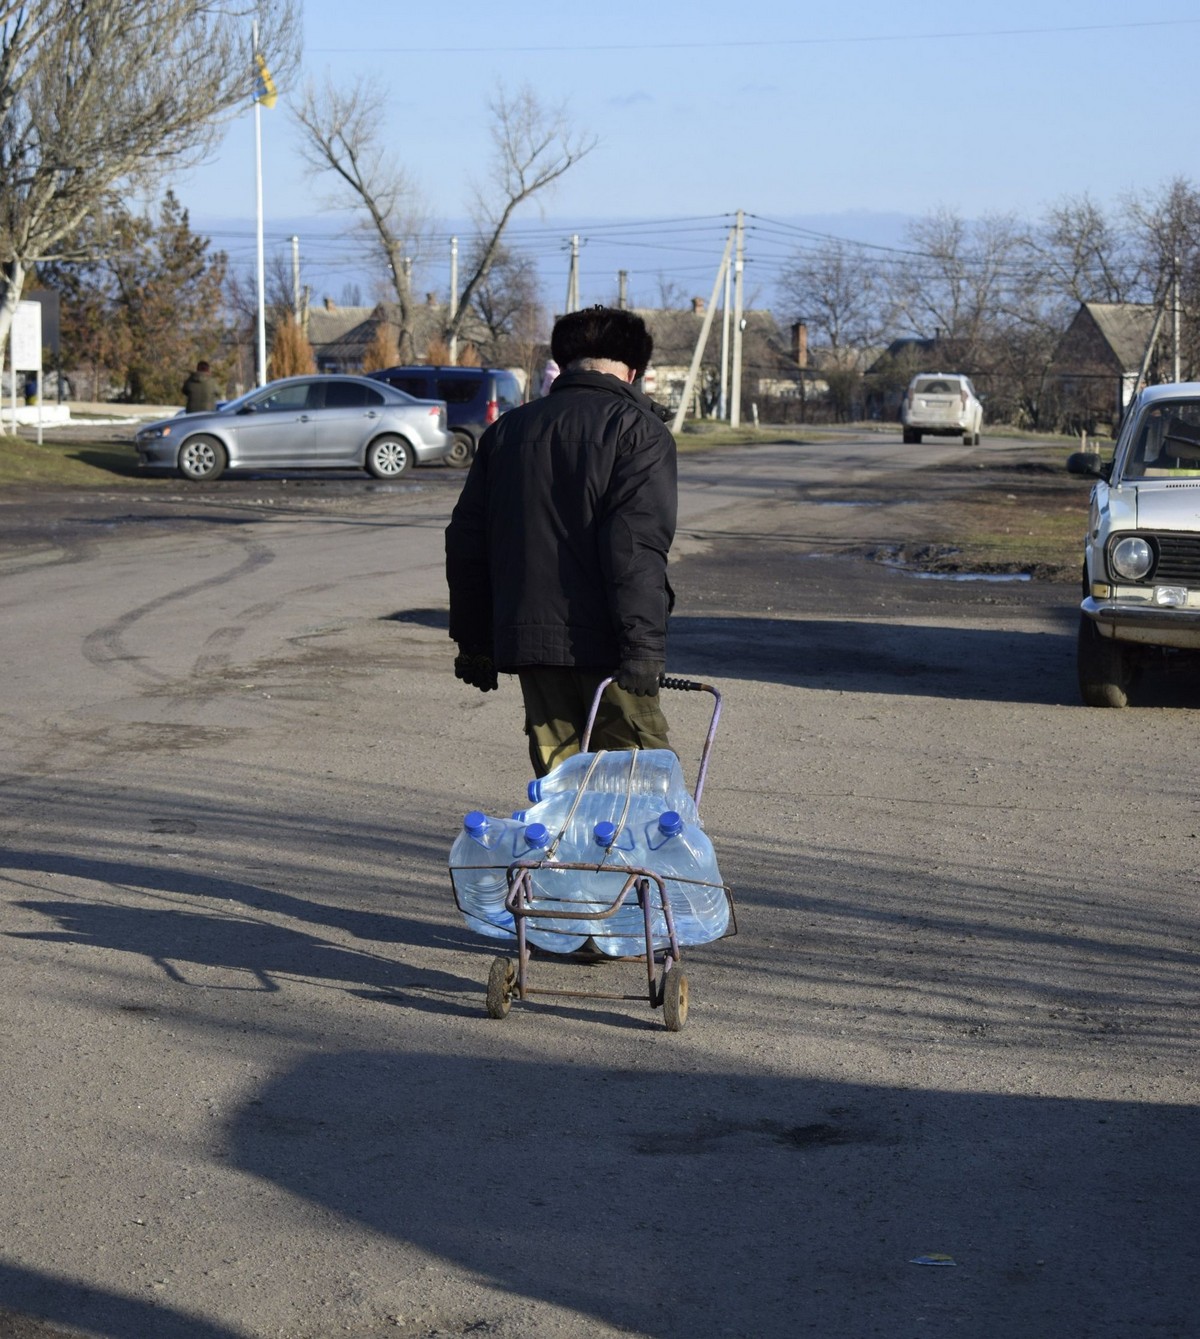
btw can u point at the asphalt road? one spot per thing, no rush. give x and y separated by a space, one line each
249 1087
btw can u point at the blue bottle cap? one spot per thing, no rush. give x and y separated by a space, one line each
519 815
475 822
670 823
604 833
534 790
537 834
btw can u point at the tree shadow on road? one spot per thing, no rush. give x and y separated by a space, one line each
735 1202
47 1301
868 656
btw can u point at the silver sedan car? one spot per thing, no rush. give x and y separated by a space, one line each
314 422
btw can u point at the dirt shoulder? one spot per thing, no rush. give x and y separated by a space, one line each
1009 508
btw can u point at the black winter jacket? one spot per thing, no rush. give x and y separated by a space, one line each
556 553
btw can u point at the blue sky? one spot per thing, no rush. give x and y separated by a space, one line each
849 118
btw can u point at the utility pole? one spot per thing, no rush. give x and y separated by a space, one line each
453 298
296 280
689 384
735 397
573 276
261 322
722 403
623 290
1175 314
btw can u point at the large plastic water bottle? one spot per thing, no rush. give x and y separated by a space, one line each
683 856
568 890
617 851
654 775
479 861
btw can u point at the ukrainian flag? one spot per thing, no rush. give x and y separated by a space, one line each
264 86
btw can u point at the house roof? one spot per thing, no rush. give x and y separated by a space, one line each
904 351
428 322
1126 326
325 324
675 334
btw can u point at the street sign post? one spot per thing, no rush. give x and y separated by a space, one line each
25 343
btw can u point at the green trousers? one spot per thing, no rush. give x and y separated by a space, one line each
557 702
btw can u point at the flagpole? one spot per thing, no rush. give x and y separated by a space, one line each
262 296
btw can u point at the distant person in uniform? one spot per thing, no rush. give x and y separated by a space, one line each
200 391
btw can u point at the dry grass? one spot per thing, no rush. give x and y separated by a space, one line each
63 464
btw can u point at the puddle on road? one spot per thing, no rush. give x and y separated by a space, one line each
961 576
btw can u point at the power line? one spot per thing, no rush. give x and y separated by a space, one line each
754 43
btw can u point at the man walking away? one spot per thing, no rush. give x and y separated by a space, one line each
556 552
200 391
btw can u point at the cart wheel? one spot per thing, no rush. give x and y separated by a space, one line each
675 1000
500 987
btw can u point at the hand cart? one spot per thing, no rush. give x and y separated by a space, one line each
668 991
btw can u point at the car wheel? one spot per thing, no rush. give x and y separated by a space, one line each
968 439
1105 667
978 439
202 458
462 451
909 437
389 457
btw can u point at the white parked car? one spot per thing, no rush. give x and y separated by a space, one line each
941 404
1141 567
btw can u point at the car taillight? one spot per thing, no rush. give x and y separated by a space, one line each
493 411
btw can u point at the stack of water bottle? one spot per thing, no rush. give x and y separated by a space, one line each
616 811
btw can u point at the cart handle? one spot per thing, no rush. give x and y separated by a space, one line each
679 685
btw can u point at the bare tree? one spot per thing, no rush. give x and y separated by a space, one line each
1081 255
1167 232
344 137
534 145
1167 229
957 279
835 289
507 294
97 96
672 295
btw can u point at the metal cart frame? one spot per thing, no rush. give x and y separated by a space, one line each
509 979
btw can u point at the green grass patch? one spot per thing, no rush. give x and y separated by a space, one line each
1030 514
58 464
700 436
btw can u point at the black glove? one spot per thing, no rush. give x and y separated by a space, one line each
639 677
476 668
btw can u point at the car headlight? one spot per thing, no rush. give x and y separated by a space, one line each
1131 558
149 434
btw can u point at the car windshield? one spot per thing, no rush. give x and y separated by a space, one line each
227 405
1166 442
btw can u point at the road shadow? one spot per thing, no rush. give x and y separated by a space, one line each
121 461
861 655
673 1203
43 1302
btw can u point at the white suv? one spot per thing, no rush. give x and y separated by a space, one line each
1141 567
942 404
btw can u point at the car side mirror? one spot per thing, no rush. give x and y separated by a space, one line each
1088 463
248 409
